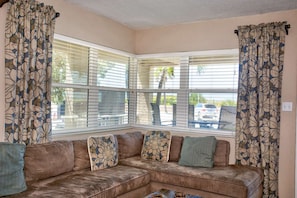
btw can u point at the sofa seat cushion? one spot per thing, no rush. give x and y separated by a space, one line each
109 183
233 181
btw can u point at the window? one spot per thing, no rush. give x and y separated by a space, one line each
198 92
213 82
98 88
157 83
90 87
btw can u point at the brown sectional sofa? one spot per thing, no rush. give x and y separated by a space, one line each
62 169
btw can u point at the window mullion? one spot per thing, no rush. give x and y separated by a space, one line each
182 95
132 93
93 93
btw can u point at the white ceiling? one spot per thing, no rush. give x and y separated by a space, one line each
143 14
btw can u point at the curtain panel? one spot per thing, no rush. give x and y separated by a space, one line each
261 62
28 64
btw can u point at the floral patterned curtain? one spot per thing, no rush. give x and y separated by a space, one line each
259 99
28 64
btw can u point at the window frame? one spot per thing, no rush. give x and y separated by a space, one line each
184 91
132 90
89 88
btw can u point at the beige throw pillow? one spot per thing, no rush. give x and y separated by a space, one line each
102 152
156 146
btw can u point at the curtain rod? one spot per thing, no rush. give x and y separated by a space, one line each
2 2
287 27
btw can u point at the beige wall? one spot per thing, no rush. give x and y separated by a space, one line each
208 35
84 25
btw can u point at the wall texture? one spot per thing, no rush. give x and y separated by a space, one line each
207 35
84 25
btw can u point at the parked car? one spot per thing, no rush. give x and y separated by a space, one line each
206 112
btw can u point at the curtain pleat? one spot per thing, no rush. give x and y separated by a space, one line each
28 64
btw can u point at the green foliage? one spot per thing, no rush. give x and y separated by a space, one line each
58 75
164 71
58 68
169 100
200 68
196 98
228 103
104 66
58 95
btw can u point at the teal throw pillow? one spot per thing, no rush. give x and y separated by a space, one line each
198 151
103 151
12 178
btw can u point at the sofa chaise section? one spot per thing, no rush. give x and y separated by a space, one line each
111 182
228 181
223 180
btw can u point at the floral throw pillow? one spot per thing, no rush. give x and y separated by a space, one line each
156 146
103 152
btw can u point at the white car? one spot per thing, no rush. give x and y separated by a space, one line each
206 112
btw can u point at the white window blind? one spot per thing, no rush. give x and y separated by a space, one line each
213 82
90 87
193 95
213 72
97 88
157 83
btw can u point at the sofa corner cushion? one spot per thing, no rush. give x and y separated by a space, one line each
81 155
39 163
130 144
12 178
156 146
103 151
221 156
175 148
198 151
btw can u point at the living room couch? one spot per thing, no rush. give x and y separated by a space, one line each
62 169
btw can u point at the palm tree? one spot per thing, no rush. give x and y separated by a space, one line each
164 73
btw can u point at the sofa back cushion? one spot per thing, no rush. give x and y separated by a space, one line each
130 144
47 160
81 156
175 148
221 156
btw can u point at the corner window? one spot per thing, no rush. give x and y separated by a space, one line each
99 88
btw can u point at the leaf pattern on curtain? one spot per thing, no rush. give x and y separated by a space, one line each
259 99
28 64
